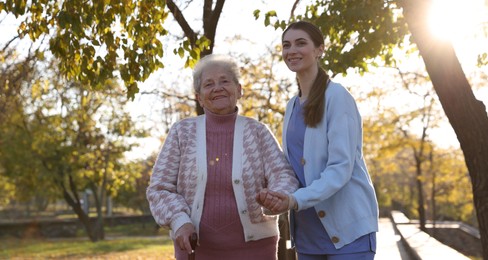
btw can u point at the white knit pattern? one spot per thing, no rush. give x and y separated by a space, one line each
171 191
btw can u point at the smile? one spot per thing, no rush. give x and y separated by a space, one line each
294 59
218 97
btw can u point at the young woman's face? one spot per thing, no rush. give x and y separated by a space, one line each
299 51
218 91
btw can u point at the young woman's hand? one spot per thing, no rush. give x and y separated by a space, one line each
275 202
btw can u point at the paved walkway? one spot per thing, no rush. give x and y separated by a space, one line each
389 244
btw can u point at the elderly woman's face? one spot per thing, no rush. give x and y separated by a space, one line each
218 91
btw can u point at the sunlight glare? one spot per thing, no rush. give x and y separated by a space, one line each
450 19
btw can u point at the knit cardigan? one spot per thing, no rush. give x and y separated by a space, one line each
178 181
338 184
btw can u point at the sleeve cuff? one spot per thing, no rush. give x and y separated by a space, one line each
292 202
179 221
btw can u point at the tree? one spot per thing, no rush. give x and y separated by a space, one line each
375 31
390 146
132 188
13 75
264 94
466 114
450 181
88 149
421 147
379 25
88 41
198 45
97 40
60 140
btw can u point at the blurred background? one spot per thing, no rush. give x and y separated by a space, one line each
89 89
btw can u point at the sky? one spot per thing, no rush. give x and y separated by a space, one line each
236 20
457 20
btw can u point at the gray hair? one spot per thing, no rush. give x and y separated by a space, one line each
223 61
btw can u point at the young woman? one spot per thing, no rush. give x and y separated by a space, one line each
334 213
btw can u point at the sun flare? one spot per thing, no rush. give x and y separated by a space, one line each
450 19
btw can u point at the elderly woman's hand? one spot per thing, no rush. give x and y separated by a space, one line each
182 237
276 202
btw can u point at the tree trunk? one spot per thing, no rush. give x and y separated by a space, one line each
420 200
419 160
74 201
82 216
98 230
466 114
433 192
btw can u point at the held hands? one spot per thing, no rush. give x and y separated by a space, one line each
182 237
276 202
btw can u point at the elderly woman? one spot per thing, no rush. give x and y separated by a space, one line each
210 169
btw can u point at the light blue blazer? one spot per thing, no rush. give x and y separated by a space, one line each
338 184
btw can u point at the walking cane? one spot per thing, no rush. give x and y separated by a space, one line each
193 243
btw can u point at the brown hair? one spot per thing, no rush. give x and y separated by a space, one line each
313 109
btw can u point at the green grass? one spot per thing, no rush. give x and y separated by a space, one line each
160 247
129 230
135 230
134 241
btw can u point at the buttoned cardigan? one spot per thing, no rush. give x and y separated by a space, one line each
338 184
178 181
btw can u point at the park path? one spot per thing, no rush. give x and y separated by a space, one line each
389 245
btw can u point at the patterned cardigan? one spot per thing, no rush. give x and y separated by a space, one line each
177 186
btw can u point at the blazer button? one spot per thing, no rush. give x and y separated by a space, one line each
335 240
321 214
302 161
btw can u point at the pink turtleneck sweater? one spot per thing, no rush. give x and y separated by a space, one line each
221 232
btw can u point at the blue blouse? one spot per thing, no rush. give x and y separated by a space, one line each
310 237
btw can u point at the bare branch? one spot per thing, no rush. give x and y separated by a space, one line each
292 13
178 15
